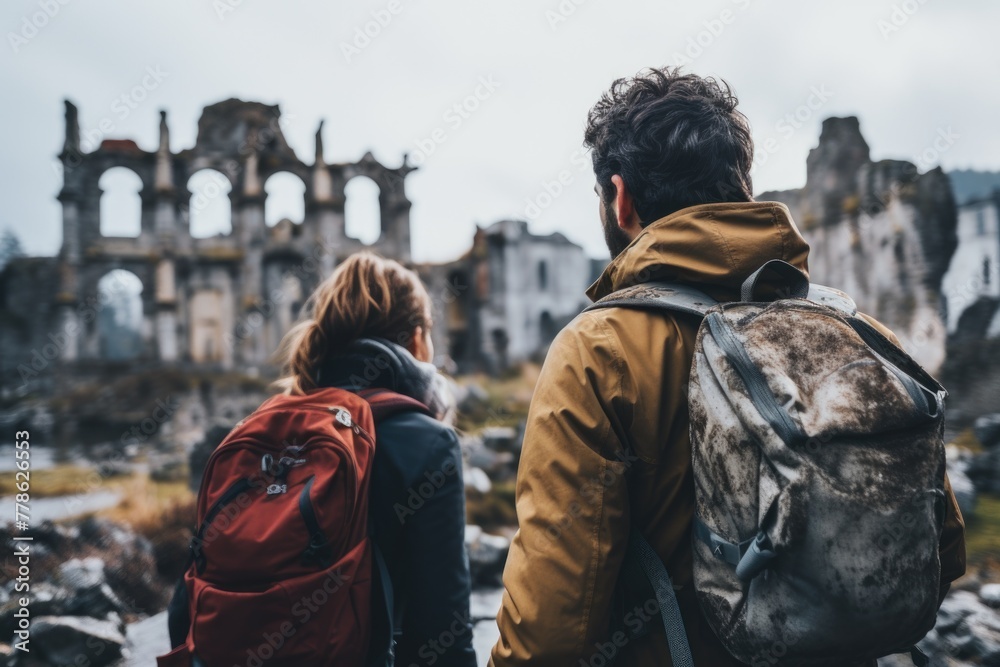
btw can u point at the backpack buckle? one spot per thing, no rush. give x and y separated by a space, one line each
757 558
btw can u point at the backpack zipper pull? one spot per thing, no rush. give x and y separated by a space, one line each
341 415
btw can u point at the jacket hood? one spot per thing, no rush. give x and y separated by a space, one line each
376 362
713 247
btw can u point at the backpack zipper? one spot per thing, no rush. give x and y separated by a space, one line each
197 542
318 548
357 430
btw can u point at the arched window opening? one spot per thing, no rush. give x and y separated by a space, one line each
362 212
121 203
210 211
119 318
286 199
543 275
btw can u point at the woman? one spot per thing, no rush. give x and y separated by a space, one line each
370 328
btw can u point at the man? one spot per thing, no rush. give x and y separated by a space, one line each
672 157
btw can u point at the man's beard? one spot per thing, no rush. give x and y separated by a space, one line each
613 235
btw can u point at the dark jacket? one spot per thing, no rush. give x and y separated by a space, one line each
417 505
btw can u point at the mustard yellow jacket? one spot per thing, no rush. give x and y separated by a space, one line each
617 371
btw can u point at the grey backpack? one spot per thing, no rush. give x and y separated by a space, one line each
818 460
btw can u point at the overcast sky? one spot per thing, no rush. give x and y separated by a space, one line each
910 70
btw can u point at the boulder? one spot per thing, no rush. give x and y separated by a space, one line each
74 640
987 430
81 573
984 471
990 594
470 397
46 599
476 479
968 629
487 556
500 438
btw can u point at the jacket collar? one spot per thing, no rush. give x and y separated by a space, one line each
713 247
379 363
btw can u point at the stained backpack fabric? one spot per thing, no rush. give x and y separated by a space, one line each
818 457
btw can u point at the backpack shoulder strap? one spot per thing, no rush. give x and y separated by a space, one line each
685 299
672 297
640 556
833 298
386 403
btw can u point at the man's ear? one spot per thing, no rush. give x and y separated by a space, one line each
628 219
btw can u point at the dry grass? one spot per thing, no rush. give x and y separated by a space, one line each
144 501
163 513
982 531
968 440
62 480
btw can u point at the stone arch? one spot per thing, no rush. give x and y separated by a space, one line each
363 210
285 198
120 315
121 202
210 210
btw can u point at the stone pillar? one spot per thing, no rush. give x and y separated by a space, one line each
247 293
68 295
166 221
395 211
166 311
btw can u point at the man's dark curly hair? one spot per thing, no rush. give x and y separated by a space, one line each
676 139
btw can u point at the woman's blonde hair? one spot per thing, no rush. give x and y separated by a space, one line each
367 296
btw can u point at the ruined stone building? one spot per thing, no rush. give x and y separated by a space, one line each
509 295
881 231
225 300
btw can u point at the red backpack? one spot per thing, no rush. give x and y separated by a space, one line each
281 563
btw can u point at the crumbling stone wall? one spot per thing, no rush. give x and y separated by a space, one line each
242 282
881 231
